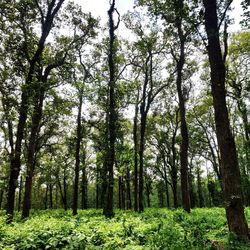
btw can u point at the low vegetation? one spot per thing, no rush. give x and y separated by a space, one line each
152 229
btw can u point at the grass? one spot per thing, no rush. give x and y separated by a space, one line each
153 229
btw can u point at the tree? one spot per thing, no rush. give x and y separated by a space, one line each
179 30
47 21
112 112
229 164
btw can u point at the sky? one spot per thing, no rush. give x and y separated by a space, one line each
100 8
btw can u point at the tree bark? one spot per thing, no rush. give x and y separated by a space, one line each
141 158
77 155
84 204
1 198
128 194
20 193
46 197
32 148
184 134
112 116
199 185
135 138
184 129
50 196
229 163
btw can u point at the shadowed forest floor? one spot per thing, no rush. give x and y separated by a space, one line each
153 229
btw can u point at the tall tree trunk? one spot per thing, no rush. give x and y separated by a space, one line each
15 163
128 194
160 191
50 196
119 192
77 155
46 197
63 189
184 130
112 116
199 185
141 157
144 108
229 163
32 148
148 191
65 203
167 194
174 189
84 186
174 171
184 134
20 193
97 192
135 138
1 198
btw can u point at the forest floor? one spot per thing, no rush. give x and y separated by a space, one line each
153 229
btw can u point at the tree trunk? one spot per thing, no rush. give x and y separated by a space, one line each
167 194
229 163
119 192
97 198
141 158
128 194
32 148
84 187
15 163
148 190
63 191
174 189
135 138
184 135
20 193
77 155
160 191
46 197
199 185
50 196
184 130
112 116
1 198
174 171
192 193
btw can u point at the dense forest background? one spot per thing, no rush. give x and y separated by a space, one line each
158 117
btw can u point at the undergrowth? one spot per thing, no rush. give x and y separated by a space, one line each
153 229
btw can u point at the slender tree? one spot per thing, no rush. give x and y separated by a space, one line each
112 112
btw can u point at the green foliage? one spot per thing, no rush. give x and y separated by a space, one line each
153 229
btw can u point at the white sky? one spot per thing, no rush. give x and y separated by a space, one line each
100 8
